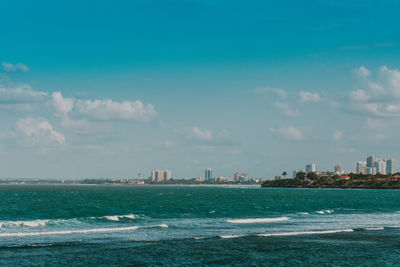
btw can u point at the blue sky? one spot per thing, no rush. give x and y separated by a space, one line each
110 89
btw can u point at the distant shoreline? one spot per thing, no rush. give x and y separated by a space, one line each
142 185
366 183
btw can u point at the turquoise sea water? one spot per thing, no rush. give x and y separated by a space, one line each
48 225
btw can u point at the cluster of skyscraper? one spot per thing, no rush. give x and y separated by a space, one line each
160 176
374 166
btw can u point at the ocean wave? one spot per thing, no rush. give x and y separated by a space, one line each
324 211
258 220
33 223
47 222
373 228
303 213
117 217
82 231
307 233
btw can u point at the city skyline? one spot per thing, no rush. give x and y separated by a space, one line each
185 85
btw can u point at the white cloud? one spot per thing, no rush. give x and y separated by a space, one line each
308 97
289 133
111 110
39 131
9 67
285 109
390 79
359 95
362 72
62 105
269 90
203 135
380 98
21 93
337 135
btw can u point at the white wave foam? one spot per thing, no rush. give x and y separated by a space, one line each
112 218
129 216
118 217
229 236
258 220
46 222
83 231
374 228
303 213
197 238
320 212
33 223
307 233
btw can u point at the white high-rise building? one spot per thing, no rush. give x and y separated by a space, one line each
371 170
361 167
160 176
380 166
310 167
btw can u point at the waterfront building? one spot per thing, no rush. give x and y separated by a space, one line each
338 169
294 174
225 179
380 166
167 175
389 166
310 167
240 177
371 170
208 174
370 161
361 167
160 176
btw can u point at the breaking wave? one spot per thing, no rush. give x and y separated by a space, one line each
47 222
258 220
307 233
82 231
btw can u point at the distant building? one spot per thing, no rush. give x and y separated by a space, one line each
294 174
361 167
225 179
338 169
160 176
370 161
371 170
310 167
380 166
389 166
240 177
167 175
208 174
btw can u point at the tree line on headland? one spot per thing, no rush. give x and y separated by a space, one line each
351 180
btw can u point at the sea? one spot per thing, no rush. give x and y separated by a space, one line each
83 225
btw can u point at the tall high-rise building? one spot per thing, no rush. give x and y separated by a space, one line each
294 174
371 170
380 166
310 167
167 175
338 169
389 166
370 161
208 174
160 176
361 167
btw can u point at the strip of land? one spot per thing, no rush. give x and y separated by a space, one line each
355 181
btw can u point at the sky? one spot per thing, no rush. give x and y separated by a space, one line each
113 88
